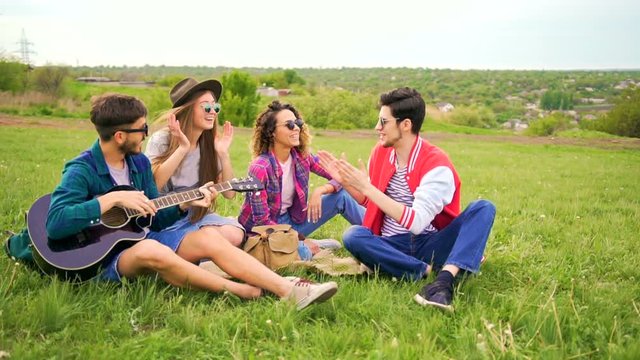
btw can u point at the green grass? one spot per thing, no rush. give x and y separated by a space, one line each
561 280
587 134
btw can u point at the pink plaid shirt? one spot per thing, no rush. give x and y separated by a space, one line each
263 208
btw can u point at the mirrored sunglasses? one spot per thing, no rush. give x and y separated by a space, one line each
207 107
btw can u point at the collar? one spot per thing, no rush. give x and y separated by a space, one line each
275 163
413 155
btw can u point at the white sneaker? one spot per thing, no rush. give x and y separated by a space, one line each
305 292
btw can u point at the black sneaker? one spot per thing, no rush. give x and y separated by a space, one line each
436 294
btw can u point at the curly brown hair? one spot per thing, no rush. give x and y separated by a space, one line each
265 126
208 155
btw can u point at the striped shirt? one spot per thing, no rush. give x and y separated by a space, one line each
399 191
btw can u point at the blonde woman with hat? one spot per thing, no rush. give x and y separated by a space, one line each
188 152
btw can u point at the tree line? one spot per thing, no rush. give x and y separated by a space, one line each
343 98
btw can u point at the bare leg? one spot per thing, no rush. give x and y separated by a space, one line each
233 234
151 256
235 262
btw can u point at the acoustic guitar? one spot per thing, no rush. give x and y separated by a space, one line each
79 257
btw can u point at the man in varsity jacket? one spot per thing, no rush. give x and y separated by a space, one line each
412 223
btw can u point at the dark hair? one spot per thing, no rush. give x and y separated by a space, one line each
406 103
112 111
266 125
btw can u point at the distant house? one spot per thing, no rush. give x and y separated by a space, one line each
515 124
267 91
445 106
91 79
531 106
272 92
513 98
625 84
592 101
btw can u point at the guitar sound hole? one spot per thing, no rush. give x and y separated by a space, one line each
115 217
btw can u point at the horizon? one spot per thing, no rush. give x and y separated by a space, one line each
345 67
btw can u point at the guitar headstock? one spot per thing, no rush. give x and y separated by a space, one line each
246 184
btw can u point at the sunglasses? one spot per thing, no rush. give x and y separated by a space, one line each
144 129
207 107
291 124
384 121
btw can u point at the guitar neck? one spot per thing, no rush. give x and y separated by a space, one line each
181 197
186 196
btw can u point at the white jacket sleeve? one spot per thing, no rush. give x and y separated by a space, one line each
435 191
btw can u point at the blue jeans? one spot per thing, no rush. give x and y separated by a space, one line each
461 243
332 204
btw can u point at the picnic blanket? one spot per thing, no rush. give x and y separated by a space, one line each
325 262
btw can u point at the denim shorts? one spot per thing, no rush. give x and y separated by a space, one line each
170 237
211 219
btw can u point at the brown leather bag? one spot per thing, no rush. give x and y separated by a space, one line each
276 246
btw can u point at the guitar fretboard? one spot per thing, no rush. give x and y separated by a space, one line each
181 197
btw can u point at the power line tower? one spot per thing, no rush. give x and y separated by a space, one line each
25 51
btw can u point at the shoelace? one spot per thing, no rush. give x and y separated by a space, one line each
303 282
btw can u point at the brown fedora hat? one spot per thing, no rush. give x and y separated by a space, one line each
185 88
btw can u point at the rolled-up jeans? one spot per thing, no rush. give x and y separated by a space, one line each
332 204
461 243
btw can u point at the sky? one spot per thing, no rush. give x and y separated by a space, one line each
454 34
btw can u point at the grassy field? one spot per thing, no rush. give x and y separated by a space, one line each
562 279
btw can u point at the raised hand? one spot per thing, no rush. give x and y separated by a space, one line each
326 161
176 132
352 176
224 140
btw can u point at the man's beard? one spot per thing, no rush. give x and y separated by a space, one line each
390 142
130 148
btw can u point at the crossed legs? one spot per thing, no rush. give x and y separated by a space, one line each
179 269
